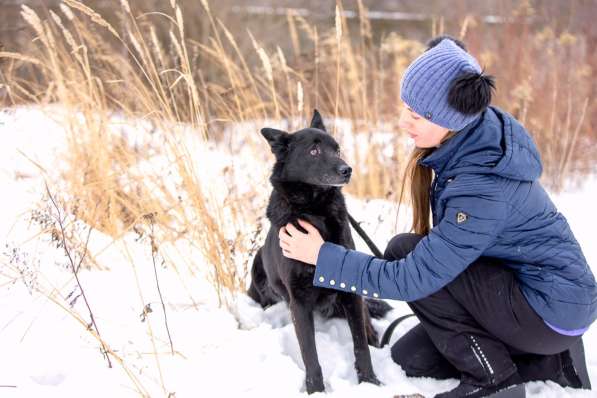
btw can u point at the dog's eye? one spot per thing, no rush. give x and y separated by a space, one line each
315 151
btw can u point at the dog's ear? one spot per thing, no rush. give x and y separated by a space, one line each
317 121
277 139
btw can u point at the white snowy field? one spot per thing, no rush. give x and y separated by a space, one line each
47 351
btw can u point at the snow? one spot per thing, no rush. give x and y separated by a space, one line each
46 350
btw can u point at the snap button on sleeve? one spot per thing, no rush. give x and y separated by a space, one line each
332 282
321 279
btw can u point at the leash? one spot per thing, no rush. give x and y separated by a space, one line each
365 237
388 333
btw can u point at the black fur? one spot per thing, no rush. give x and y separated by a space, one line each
306 179
470 93
437 39
317 121
277 139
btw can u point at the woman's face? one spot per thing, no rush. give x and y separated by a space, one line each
425 133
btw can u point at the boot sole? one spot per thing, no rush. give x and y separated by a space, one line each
516 391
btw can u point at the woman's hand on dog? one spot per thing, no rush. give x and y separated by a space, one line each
300 246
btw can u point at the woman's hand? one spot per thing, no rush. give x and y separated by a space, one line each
300 246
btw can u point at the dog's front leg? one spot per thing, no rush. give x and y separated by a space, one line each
302 317
354 308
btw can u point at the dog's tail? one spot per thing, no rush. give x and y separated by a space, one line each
377 308
259 289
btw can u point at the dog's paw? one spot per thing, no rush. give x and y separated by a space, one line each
314 385
370 379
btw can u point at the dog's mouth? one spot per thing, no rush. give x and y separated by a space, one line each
329 181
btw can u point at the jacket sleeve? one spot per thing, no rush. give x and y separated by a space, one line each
473 217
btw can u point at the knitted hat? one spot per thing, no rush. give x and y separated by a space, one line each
446 85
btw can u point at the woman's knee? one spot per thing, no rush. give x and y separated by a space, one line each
417 356
400 245
407 355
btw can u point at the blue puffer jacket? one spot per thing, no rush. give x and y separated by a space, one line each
486 201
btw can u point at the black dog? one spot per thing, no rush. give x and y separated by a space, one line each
306 179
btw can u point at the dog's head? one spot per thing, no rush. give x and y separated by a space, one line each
310 155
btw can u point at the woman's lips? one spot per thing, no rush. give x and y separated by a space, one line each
412 135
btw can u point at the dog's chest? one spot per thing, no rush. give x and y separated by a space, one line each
328 229
301 285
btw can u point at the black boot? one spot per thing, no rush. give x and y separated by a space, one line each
512 387
568 368
574 366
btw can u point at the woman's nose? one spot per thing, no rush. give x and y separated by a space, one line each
403 121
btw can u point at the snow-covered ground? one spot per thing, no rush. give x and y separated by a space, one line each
47 351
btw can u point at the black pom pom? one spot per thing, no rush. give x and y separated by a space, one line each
470 93
437 39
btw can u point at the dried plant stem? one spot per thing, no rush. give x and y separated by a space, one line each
339 44
154 250
570 148
139 387
75 268
149 328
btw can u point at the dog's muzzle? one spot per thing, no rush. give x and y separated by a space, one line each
345 171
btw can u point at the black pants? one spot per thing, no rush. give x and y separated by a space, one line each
478 328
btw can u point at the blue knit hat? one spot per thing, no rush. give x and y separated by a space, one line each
446 85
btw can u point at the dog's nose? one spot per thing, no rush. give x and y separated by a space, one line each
345 170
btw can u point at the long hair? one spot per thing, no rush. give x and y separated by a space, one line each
418 178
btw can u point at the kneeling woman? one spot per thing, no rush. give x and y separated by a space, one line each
499 284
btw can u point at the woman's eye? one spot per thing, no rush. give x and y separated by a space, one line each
413 114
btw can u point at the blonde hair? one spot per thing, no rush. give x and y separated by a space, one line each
419 178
